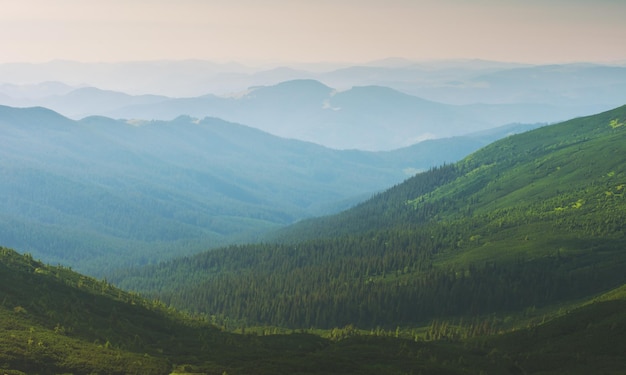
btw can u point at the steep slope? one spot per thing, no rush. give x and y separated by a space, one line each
532 220
555 162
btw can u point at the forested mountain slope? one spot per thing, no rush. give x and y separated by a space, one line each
529 221
555 162
53 320
106 192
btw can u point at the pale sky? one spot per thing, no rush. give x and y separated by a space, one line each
535 31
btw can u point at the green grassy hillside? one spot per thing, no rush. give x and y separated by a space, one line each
589 339
528 222
55 321
571 160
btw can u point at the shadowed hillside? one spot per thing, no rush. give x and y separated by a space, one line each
56 321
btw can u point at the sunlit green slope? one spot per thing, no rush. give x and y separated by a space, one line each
529 221
575 160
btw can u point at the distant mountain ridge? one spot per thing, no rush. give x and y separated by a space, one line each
448 98
365 118
102 190
499 257
190 78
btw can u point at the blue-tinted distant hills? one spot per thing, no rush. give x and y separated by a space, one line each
103 191
564 85
77 102
382 105
38 90
366 118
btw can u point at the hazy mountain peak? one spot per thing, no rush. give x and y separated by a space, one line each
32 116
297 84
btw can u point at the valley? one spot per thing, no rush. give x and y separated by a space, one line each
199 245
110 192
56 321
397 187
525 222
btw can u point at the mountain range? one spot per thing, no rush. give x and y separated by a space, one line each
99 190
381 106
509 261
364 118
191 78
223 249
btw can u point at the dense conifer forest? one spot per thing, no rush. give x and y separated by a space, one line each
526 222
510 261
54 320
